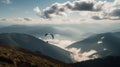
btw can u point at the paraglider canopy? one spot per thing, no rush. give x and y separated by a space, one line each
52 36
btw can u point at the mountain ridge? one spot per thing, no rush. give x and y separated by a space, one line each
36 45
102 43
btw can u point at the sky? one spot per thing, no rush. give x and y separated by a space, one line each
23 8
58 11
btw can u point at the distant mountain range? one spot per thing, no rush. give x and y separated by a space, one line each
35 45
105 44
38 31
65 31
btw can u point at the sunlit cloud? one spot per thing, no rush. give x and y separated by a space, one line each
60 43
37 9
77 56
73 12
87 9
117 2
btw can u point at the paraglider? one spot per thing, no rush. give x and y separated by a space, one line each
49 37
52 36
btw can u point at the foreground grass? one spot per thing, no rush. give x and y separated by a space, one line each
11 57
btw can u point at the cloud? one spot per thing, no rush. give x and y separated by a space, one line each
110 11
104 10
61 9
112 14
37 9
77 56
83 5
116 2
16 20
96 17
3 19
59 42
28 19
55 9
6 1
115 12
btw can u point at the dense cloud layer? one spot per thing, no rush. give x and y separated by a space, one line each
78 56
83 5
103 9
61 9
115 12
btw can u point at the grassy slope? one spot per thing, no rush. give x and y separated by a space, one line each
10 57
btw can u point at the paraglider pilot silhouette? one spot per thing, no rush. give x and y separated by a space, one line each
50 36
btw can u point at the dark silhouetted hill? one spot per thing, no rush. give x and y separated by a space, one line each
35 45
110 61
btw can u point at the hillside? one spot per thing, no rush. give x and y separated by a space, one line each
105 44
35 45
110 61
10 57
